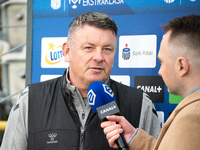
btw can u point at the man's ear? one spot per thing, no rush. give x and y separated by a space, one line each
183 66
66 51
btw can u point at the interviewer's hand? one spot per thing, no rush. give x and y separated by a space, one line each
112 129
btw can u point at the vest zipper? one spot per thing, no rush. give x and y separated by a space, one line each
81 138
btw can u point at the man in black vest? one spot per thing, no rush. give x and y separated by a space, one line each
55 114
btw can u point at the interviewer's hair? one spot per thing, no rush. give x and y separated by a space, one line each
95 19
187 27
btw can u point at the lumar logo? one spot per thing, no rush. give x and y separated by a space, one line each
55 4
52 137
54 54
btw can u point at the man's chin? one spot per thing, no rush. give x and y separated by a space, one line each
97 79
170 92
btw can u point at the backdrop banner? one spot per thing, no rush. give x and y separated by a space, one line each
135 63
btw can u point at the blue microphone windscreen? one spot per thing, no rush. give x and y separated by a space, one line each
99 94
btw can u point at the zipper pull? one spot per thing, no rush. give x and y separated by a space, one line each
83 114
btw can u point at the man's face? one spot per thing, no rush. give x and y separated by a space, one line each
91 55
167 68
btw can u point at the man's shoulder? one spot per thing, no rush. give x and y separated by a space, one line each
24 93
47 82
193 107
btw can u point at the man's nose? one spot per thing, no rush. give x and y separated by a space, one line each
98 55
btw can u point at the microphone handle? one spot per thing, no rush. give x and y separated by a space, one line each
121 143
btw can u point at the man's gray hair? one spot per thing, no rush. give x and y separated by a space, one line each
95 19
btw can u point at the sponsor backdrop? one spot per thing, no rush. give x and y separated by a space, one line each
139 38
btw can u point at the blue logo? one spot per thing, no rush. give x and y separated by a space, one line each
108 90
91 97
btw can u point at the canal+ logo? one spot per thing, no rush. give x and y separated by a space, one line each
152 85
52 55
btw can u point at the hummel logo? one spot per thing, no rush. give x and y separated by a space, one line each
52 137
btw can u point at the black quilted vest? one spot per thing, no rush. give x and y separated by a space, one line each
53 122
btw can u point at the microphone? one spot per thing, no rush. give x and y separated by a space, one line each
102 101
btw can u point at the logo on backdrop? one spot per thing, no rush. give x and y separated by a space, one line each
139 51
55 4
126 52
51 53
55 54
74 6
169 1
75 3
152 85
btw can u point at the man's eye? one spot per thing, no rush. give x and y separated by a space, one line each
108 49
88 47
